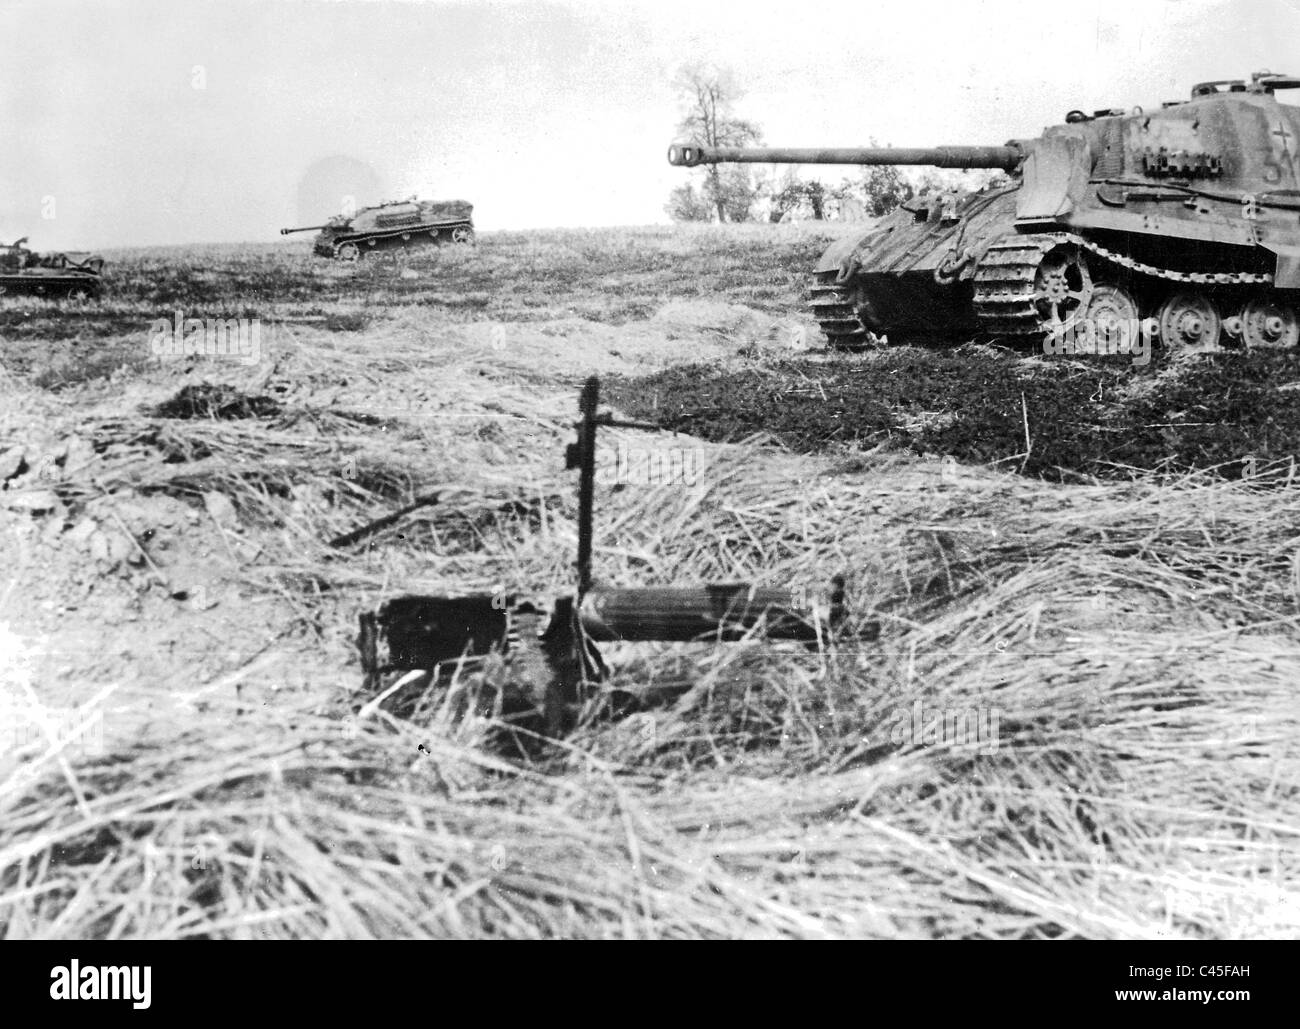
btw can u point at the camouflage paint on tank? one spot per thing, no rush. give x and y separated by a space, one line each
1190 211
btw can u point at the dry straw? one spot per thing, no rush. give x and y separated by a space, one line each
1079 718
1134 645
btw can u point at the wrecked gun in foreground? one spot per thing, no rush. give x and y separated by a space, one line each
553 663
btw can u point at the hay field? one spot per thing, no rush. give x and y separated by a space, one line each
1079 719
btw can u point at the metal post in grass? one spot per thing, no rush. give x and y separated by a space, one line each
582 455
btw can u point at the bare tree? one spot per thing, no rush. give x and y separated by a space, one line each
709 119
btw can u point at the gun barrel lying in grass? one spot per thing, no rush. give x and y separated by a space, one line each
422 632
723 612
559 663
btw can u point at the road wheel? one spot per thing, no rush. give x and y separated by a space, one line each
1112 321
1269 325
1190 324
1062 291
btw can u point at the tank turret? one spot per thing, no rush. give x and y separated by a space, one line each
1180 223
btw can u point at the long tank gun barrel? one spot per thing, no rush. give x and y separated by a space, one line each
1008 158
305 228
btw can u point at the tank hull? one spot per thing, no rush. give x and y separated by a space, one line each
942 270
24 273
899 279
424 234
51 284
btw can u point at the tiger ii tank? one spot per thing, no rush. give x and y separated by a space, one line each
1179 223
397 225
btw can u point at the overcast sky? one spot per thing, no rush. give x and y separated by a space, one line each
132 122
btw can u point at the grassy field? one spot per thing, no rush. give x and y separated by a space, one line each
1079 718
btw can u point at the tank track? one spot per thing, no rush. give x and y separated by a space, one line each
406 238
1004 282
17 284
1003 288
1196 278
832 305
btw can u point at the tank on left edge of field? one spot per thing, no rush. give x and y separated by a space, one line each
22 271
